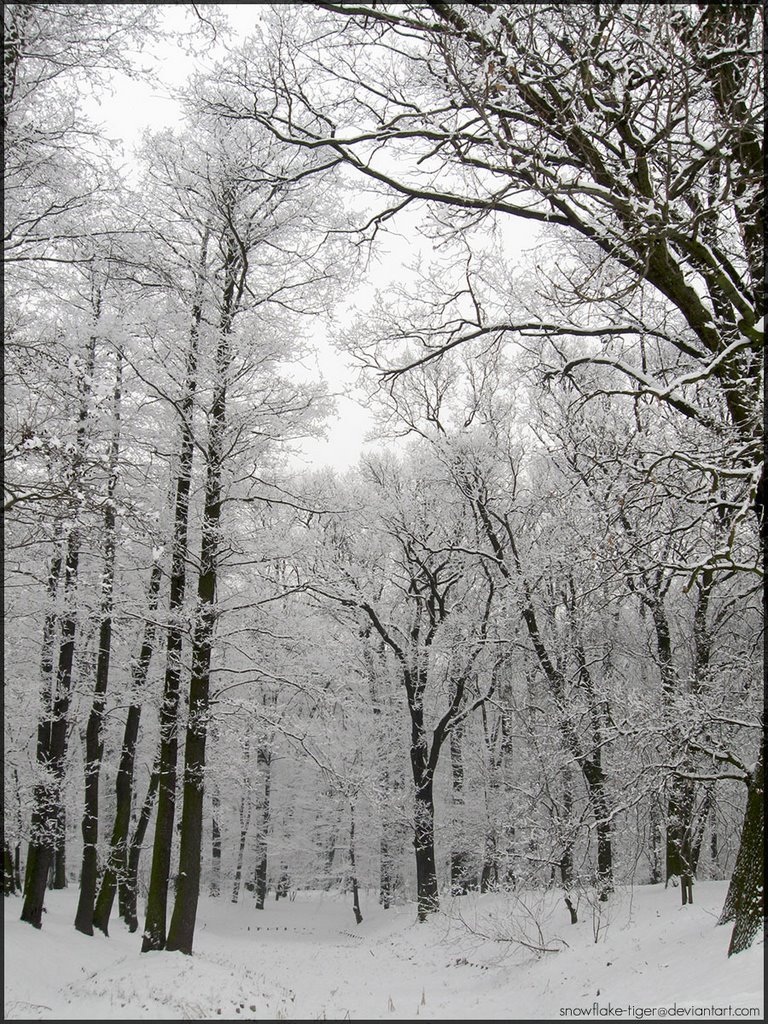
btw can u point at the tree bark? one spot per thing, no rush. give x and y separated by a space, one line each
59 867
352 868
461 866
155 924
182 928
245 817
215 888
94 745
47 826
118 850
745 901
46 814
129 883
263 759
9 879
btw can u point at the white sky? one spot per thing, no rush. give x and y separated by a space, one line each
135 106
132 107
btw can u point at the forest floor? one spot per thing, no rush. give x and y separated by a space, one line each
305 959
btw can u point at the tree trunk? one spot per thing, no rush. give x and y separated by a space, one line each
118 850
215 887
264 759
385 871
94 744
129 883
352 868
595 778
9 879
157 897
47 826
59 868
46 814
182 928
461 867
245 818
655 841
744 904
424 843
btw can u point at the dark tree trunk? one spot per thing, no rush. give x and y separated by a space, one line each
498 749
182 928
745 901
9 878
215 888
489 876
59 868
94 744
118 851
47 825
594 773
461 860
566 861
385 871
655 842
352 868
245 820
595 779
129 883
155 924
682 791
264 760
424 844
46 814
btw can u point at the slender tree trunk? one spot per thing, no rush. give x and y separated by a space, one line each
182 928
118 851
682 792
129 882
155 924
566 860
656 842
94 744
9 879
352 868
215 887
245 819
47 826
461 869
264 760
46 813
385 871
59 867
494 760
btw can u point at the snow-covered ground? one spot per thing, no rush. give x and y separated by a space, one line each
307 960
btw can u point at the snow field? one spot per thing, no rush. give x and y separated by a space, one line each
306 960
